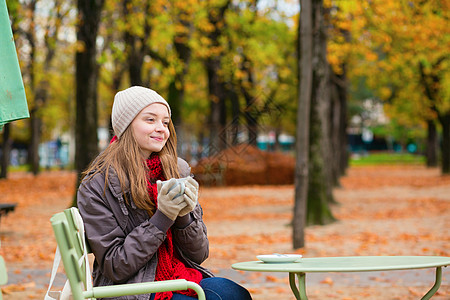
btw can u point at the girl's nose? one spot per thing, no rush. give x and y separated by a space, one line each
159 126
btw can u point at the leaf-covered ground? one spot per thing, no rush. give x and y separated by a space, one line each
397 210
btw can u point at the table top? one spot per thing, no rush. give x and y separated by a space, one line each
347 264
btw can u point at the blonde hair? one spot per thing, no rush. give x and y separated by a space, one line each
128 161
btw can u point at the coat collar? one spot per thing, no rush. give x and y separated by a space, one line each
114 184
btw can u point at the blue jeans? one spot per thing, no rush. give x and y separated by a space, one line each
217 288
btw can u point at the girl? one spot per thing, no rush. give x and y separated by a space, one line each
139 229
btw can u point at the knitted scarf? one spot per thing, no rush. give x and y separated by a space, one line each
169 266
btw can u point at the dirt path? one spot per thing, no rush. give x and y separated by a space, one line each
381 211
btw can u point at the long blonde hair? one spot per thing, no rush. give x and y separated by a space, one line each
128 161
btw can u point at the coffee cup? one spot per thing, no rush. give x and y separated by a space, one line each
179 182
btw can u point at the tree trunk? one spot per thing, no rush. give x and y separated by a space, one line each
177 86
175 99
321 102
86 139
235 111
35 120
320 177
40 99
251 119
339 128
33 149
135 61
6 150
445 148
319 184
343 140
431 81
39 89
136 46
432 145
180 41
217 95
313 182
216 88
318 212
250 116
326 152
335 115
303 113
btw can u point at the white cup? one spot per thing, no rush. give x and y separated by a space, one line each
180 182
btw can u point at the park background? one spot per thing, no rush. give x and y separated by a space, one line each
260 90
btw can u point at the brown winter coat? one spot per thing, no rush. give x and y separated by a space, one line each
125 240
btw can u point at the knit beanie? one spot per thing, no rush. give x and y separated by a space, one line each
129 103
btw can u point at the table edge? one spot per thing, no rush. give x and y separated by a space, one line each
288 267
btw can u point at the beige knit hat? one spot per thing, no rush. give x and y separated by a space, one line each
129 103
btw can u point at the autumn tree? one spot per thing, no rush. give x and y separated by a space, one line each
86 82
339 56
35 120
313 177
170 37
216 84
183 18
259 69
6 149
36 26
149 42
138 31
422 49
305 53
400 49
249 56
39 74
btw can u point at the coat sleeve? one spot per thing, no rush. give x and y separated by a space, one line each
118 255
192 240
183 168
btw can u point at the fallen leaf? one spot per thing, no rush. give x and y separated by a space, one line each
327 280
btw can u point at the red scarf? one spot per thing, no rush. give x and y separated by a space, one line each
169 266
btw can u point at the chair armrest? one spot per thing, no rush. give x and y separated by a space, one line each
144 288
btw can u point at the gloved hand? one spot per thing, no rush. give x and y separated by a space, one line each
190 196
168 203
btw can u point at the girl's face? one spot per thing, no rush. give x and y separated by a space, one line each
151 128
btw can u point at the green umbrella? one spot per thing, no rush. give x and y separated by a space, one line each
13 102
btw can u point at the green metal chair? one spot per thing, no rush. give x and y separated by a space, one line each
71 246
3 274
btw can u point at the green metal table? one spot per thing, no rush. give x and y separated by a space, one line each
302 266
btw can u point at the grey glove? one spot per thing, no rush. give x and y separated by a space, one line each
190 196
168 203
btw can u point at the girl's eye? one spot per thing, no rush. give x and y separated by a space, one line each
166 123
150 119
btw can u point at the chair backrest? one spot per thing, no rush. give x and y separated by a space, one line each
70 241
74 230
3 274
